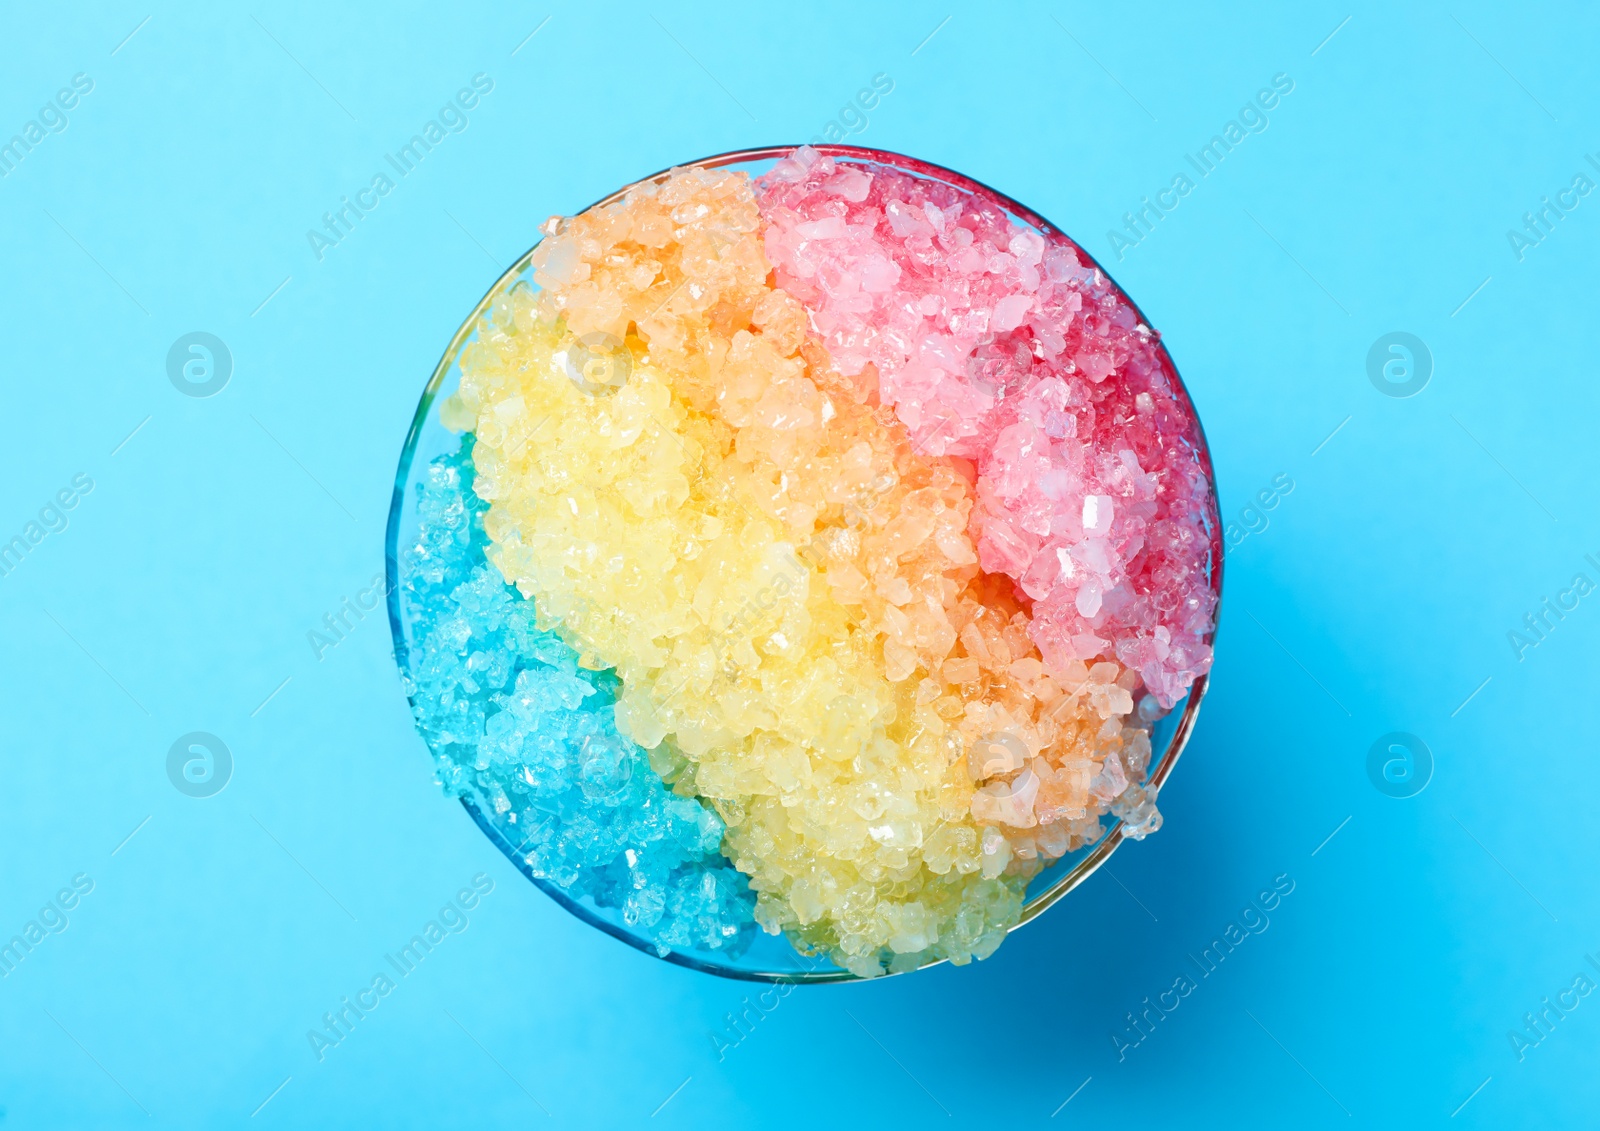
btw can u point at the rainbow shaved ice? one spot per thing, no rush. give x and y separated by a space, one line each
860 532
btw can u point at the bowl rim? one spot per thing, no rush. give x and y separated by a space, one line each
1102 850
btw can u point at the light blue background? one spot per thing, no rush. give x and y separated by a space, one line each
1378 599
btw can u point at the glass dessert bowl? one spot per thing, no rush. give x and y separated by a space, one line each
803 565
